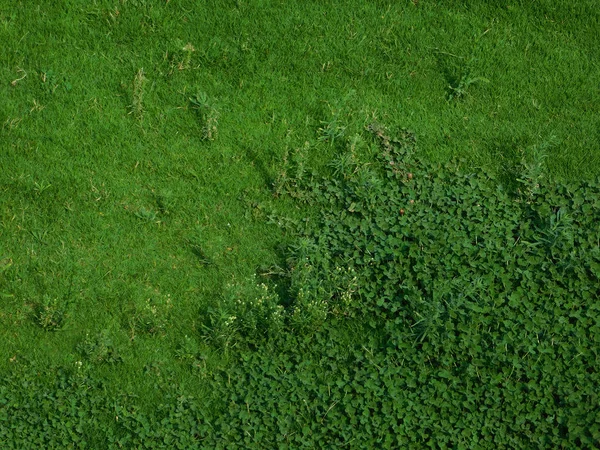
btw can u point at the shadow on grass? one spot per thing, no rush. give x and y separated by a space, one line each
259 164
277 276
509 154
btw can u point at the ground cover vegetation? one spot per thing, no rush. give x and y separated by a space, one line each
299 224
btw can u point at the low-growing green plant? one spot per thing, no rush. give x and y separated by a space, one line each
532 169
461 88
486 333
208 113
51 313
180 57
188 50
99 349
465 287
41 187
149 313
188 351
332 130
428 306
336 127
458 71
49 80
145 214
247 313
292 172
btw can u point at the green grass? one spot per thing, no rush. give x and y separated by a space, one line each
140 141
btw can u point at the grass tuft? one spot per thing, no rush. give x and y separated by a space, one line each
137 102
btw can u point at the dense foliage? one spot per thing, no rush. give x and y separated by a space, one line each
426 307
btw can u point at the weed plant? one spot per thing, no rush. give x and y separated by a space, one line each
426 306
155 293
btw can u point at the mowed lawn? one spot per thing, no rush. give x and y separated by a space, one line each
140 140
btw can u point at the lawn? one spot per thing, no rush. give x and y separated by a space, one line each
161 159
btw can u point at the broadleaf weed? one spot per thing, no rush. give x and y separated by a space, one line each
208 113
99 349
51 313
